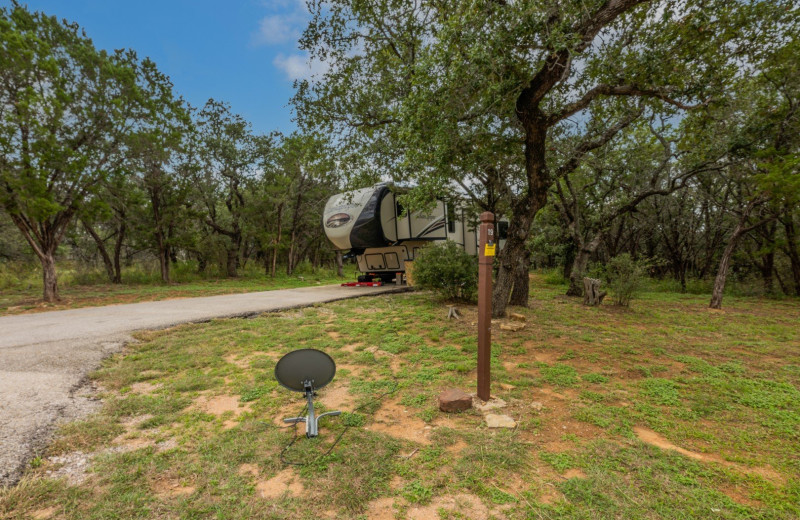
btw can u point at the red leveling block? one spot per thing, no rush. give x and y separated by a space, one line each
362 284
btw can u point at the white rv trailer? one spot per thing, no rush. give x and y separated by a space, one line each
371 224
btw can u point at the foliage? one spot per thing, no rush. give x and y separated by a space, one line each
498 100
64 108
625 277
448 270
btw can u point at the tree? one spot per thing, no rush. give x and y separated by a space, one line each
161 133
63 113
539 85
766 177
110 214
227 157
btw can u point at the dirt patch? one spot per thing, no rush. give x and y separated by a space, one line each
223 404
549 495
337 397
249 469
540 354
145 388
740 496
244 362
171 488
574 473
353 370
352 347
132 443
381 509
397 421
234 359
457 447
465 505
131 423
334 335
654 439
42 514
560 393
220 404
284 482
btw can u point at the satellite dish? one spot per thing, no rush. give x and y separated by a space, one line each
299 367
306 370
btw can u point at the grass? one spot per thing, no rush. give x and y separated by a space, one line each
22 293
190 424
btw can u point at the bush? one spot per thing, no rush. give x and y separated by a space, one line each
448 270
625 277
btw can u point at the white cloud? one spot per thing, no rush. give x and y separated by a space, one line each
279 28
298 66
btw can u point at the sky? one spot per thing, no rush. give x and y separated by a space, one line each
244 52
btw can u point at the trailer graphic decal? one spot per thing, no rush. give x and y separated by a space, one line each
433 226
339 219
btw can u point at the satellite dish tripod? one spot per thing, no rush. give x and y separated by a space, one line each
312 421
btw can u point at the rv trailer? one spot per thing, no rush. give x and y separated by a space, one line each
374 227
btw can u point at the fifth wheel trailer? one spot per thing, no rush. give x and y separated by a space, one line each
374 227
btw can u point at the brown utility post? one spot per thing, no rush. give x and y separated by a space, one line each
486 251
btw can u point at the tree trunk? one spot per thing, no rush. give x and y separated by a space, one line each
524 208
101 248
722 271
508 262
202 263
163 259
231 264
724 262
290 259
767 268
118 251
276 242
161 243
521 291
585 252
682 276
569 260
44 245
592 295
339 265
791 250
49 277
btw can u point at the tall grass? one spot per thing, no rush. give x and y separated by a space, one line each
737 286
19 276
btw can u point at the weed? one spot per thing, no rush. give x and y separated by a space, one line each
560 375
417 493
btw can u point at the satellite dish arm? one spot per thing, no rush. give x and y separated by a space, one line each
312 422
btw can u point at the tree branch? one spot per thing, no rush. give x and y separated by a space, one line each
619 90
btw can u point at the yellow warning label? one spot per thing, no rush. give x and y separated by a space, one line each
489 250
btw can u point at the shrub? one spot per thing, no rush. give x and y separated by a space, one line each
625 277
448 270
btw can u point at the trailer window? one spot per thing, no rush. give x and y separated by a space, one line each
451 218
502 230
400 209
375 261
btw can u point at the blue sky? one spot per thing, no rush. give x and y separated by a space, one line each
244 52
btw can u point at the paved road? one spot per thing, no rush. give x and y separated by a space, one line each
44 357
